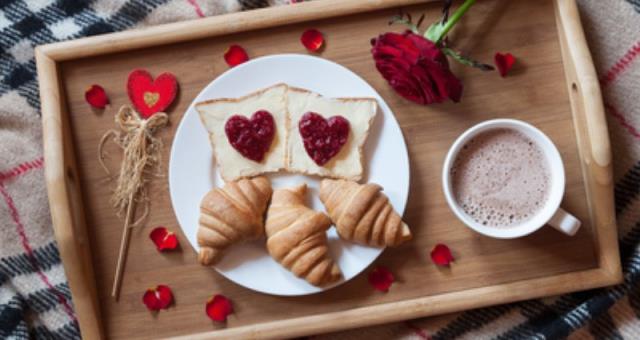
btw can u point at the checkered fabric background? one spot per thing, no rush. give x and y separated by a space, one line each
35 301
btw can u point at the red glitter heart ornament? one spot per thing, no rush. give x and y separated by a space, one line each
441 255
150 96
323 138
158 298
381 278
96 96
163 239
504 63
218 308
251 137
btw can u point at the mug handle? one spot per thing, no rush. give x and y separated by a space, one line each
565 222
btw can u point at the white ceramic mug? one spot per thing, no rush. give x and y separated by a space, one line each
550 214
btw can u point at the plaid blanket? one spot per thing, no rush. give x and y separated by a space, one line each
35 301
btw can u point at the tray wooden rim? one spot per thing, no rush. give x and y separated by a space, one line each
66 203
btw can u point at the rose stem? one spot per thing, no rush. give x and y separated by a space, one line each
454 18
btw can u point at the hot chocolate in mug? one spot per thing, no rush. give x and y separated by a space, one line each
504 178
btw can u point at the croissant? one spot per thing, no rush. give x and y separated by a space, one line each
362 213
297 239
231 214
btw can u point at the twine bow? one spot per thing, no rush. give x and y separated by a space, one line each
141 152
130 121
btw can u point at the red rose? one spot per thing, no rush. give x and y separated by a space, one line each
415 67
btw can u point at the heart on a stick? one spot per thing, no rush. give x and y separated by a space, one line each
251 137
150 96
323 138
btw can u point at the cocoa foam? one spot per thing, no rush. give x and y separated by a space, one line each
500 178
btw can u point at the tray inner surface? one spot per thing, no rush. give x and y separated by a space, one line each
535 92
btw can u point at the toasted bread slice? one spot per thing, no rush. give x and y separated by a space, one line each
348 163
214 115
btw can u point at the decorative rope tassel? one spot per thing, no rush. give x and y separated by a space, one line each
141 152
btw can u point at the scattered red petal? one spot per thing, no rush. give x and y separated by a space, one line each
441 255
312 39
381 279
163 239
218 308
96 97
235 55
504 63
158 298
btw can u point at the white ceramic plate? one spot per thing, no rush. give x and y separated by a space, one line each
193 172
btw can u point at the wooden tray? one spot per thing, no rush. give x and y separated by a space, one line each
554 87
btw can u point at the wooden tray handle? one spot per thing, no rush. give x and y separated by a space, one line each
589 113
586 82
65 202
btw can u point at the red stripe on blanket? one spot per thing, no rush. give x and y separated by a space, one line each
27 247
417 330
195 4
621 65
622 120
22 168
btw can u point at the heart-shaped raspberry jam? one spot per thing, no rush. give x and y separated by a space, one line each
323 138
251 137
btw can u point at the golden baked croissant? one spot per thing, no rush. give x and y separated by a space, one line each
362 213
297 239
231 214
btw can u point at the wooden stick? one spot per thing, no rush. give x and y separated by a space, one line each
124 248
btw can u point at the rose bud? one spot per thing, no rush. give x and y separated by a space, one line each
415 68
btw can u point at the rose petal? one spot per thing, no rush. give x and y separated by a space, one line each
312 39
441 255
96 97
218 308
151 300
165 296
504 63
163 239
381 279
235 55
158 298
